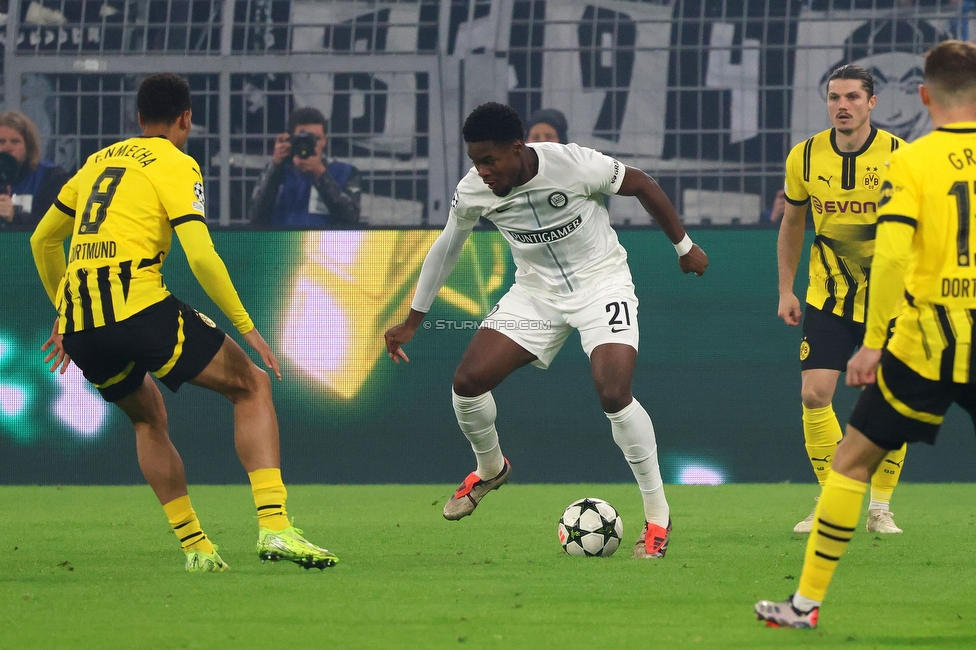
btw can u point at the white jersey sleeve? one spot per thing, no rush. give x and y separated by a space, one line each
593 172
466 208
441 259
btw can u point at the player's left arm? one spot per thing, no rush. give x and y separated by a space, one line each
659 206
211 273
180 190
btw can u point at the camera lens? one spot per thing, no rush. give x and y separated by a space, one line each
303 144
8 169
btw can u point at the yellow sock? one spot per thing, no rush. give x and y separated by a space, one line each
269 497
833 526
886 476
186 525
822 434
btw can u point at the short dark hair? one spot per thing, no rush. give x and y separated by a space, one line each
852 71
950 67
493 121
163 98
307 115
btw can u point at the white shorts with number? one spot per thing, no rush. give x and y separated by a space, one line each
607 313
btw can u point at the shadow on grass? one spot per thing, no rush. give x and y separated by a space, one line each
968 641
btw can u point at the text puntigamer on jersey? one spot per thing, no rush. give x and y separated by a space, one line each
546 236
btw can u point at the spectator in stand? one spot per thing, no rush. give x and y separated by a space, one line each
772 216
28 185
547 125
300 187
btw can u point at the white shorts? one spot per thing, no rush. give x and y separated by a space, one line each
605 314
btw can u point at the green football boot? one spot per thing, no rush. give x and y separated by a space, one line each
199 562
288 544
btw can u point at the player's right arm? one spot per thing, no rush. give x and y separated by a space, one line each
440 261
789 244
47 242
898 212
47 246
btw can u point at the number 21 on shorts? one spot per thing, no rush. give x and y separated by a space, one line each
616 311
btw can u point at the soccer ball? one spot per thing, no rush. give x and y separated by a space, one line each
590 527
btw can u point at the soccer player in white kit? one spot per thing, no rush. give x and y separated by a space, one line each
571 272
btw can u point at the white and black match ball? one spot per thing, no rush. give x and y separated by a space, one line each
590 527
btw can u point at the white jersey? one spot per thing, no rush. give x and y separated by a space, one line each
556 223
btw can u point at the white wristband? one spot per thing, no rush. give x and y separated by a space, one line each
683 246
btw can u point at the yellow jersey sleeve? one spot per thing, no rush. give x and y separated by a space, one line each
897 210
47 246
795 188
67 199
181 191
211 272
899 195
892 249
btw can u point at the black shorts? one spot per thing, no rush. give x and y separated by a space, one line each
828 340
902 406
169 339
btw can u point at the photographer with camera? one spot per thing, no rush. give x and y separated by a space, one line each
28 185
300 188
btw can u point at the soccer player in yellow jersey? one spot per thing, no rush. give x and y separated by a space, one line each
118 322
925 252
838 173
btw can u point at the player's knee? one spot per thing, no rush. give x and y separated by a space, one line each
614 398
467 384
248 384
815 397
154 425
259 381
148 416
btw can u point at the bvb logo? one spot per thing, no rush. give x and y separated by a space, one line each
804 350
871 181
206 319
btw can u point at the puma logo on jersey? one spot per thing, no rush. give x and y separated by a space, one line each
888 460
824 459
825 180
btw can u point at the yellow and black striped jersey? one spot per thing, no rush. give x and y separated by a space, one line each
842 189
125 202
926 214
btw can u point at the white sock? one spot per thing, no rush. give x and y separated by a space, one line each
878 505
634 434
476 417
803 603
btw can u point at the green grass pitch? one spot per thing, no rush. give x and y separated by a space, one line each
98 567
